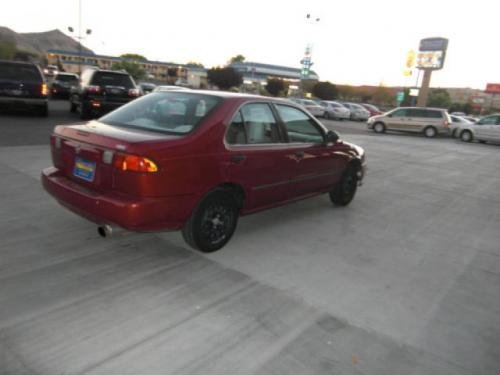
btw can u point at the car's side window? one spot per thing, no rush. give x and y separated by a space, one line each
235 134
299 126
434 114
260 124
399 113
488 120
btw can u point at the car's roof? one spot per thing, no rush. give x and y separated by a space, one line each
433 108
17 62
67 74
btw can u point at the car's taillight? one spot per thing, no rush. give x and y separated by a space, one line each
134 92
446 124
94 89
134 163
44 90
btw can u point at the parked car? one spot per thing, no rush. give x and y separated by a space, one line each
471 119
485 130
23 86
358 112
196 160
62 84
457 124
374 111
428 121
314 108
101 91
146 87
335 110
170 88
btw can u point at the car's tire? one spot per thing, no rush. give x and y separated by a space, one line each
72 106
343 193
43 110
212 222
84 111
466 136
379 127
430 132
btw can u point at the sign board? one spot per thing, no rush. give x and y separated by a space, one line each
433 44
413 92
492 88
400 96
432 52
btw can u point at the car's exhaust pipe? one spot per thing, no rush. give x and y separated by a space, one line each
105 230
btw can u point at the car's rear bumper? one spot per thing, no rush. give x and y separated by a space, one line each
20 102
131 213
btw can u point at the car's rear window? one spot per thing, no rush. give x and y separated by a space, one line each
19 72
66 78
171 112
112 79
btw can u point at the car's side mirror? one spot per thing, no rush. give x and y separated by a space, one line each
331 137
389 115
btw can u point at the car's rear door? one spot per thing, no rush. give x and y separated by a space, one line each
20 81
256 156
315 166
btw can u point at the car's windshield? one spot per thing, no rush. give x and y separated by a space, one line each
171 112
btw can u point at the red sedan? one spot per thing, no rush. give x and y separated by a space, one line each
196 161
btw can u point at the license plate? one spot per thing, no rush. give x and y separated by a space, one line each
84 169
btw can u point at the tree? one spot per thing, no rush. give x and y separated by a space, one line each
131 68
276 86
224 78
7 49
325 91
439 98
237 59
194 64
383 96
133 56
172 75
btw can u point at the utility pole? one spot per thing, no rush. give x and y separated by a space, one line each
79 37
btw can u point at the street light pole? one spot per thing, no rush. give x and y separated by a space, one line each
306 62
79 37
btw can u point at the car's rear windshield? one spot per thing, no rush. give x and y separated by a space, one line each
19 72
66 78
169 112
112 79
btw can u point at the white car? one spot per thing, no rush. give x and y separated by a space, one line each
457 124
315 109
169 88
358 112
485 130
335 110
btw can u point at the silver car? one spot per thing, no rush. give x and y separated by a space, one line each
428 121
315 109
358 112
335 110
457 124
485 130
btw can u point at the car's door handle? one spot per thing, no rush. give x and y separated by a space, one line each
236 159
300 154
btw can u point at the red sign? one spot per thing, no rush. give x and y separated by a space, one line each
492 88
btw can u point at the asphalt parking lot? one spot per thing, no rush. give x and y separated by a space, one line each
405 280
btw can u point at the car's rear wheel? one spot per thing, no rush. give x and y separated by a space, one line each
344 191
430 132
43 110
213 222
84 111
466 136
379 127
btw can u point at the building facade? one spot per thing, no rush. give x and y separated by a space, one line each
157 71
253 72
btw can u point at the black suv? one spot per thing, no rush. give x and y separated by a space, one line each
101 91
61 86
23 86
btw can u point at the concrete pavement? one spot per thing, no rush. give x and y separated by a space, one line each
406 280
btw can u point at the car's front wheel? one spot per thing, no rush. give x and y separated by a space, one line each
379 127
213 222
466 136
344 191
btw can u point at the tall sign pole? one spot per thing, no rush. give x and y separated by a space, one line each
432 52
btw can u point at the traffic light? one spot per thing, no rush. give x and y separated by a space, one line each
410 58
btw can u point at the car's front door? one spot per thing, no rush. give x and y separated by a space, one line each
484 128
315 165
255 156
396 120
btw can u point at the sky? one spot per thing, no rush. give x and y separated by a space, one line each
355 42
